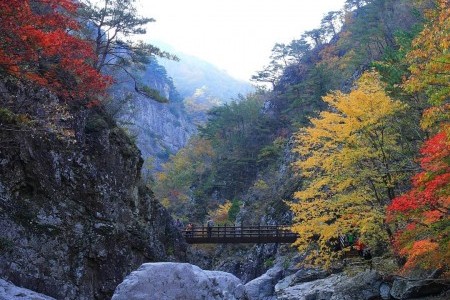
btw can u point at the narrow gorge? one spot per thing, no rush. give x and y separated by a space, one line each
124 165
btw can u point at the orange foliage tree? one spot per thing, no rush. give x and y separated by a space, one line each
39 43
423 214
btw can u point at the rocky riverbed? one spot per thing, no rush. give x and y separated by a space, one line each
185 281
168 281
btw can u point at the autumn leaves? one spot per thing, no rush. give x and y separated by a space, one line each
352 169
38 43
422 213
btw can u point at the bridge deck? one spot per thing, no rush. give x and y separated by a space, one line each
240 234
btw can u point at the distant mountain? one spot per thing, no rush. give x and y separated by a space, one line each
192 87
201 84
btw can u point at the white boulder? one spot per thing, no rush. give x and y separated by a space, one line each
168 281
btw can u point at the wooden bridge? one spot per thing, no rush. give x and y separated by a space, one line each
240 234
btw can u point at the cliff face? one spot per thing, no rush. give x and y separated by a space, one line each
75 217
160 129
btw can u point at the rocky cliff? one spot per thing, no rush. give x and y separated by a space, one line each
76 218
160 129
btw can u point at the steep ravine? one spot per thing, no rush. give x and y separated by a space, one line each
75 217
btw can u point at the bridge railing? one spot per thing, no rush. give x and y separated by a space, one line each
225 231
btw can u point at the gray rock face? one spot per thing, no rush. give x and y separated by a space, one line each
9 291
363 286
167 281
319 289
417 287
75 218
263 286
302 275
306 275
160 129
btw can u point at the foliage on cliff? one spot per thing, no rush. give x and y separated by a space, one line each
67 46
38 42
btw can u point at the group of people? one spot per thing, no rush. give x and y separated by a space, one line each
190 227
350 240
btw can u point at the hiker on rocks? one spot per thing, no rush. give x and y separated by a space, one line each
360 246
350 239
178 224
209 225
188 230
367 255
343 240
364 252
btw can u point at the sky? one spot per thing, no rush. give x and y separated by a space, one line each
235 35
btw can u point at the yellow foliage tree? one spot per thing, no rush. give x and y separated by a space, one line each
350 164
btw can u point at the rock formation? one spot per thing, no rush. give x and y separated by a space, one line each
160 129
167 281
76 218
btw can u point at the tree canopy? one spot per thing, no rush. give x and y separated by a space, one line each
39 42
351 164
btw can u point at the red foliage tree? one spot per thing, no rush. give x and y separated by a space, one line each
423 212
38 42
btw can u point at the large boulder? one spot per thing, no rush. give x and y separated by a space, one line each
419 285
364 286
9 291
263 286
166 281
318 289
302 275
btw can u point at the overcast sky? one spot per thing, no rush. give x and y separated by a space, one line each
235 35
